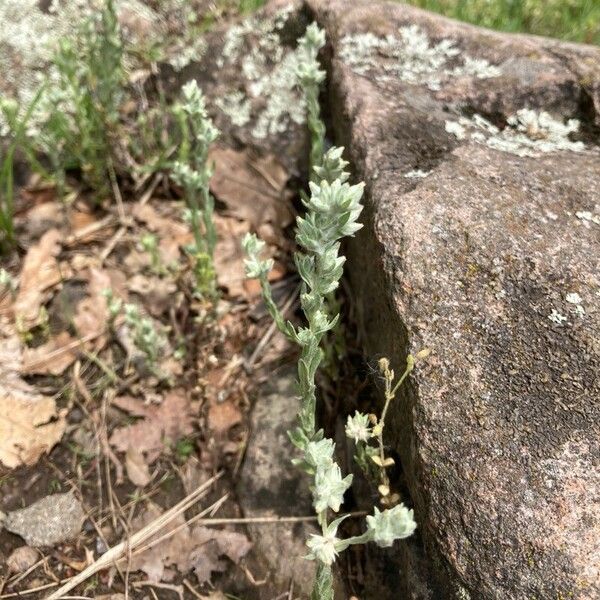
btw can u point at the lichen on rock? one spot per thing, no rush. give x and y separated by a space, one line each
269 70
527 133
412 57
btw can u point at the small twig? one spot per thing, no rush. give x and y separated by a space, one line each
33 590
190 587
82 233
255 582
116 190
11 584
161 586
71 346
136 540
150 190
110 246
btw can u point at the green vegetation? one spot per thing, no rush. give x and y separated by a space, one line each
575 20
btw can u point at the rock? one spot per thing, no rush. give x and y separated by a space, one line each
22 559
248 74
270 486
481 242
245 66
49 521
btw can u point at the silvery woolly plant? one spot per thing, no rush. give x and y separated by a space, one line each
193 172
310 77
332 212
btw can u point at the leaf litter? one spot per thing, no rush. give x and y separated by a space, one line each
72 408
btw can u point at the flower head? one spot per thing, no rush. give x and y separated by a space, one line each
357 427
390 525
322 548
329 488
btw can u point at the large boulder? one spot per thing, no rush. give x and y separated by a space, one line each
481 242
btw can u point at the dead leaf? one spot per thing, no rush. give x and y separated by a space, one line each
212 544
172 551
51 358
229 255
223 416
162 425
231 544
91 317
252 188
157 292
30 423
22 559
167 228
40 272
136 467
205 561
199 548
42 217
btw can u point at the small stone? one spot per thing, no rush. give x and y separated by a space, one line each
49 521
22 559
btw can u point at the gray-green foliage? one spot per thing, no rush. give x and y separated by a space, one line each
80 109
16 127
332 212
193 172
310 76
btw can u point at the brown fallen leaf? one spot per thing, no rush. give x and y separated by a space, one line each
166 228
171 551
30 423
253 188
41 218
156 291
160 426
229 255
39 273
197 548
223 416
51 358
136 467
205 561
91 317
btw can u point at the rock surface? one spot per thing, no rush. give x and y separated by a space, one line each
49 521
481 242
271 487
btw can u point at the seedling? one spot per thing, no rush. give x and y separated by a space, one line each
149 243
145 336
193 173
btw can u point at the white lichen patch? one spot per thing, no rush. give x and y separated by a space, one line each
269 70
575 298
587 217
412 57
29 35
416 174
527 133
557 317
